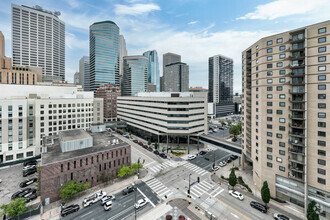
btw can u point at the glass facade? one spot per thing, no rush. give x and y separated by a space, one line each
135 75
104 54
153 68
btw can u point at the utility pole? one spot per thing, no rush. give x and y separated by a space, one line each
189 189
135 202
214 161
139 168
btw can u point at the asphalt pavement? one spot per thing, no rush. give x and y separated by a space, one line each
206 161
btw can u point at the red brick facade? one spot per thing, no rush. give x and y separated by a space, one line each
109 93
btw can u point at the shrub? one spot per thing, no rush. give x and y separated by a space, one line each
168 217
181 217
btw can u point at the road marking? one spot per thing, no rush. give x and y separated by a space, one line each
146 197
214 191
149 163
87 214
164 193
234 215
122 212
207 183
231 208
144 154
162 190
218 192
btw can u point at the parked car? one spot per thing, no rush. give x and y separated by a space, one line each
145 146
191 157
233 157
31 162
28 182
93 198
107 198
140 203
135 141
107 206
202 152
215 168
29 172
234 139
258 206
140 143
236 194
21 193
68 210
156 152
31 197
163 155
129 189
228 160
150 149
221 164
28 167
31 192
280 217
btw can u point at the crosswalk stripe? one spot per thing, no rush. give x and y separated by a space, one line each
214 191
203 187
189 165
169 194
162 190
154 184
207 183
205 172
164 193
152 181
153 169
158 187
191 192
218 193
201 171
194 168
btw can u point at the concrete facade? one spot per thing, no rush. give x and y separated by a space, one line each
176 77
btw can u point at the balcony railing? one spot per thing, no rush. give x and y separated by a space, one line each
296 99
296 91
296 150
296 168
292 74
293 66
295 160
297 134
297 107
295 177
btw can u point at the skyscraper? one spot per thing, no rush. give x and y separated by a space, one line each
135 76
285 113
104 54
220 79
76 79
153 68
84 74
38 40
2 45
176 77
169 58
122 53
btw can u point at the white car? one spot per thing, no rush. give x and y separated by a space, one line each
140 203
191 157
280 217
107 206
236 194
107 198
221 164
215 168
29 167
93 198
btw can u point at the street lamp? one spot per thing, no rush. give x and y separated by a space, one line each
135 201
214 161
138 168
189 188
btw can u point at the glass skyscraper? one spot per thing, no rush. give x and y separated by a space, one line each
104 54
135 76
153 68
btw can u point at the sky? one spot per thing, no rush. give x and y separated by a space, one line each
195 29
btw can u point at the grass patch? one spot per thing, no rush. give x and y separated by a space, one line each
241 182
178 154
178 148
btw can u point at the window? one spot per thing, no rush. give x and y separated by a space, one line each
322 30
282 48
282 72
270 58
321 105
269 164
322 49
321 68
321 124
269 119
322 115
270 42
69 166
321 152
269 134
269 157
61 167
269 126
279 64
269 88
321 143
321 171
269 50
282 128
320 180
322 39
281 152
322 96
278 159
269 65
269 104
269 73
282 120
279 136
269 149
269 96
282 80
279 40
282 96
322 77
321 162
269 141
281 144
281 168
282 56
282 104
269 81
322 59
279 88
322 87
321 133
257 47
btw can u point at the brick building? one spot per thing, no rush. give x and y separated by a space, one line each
80 156
109 93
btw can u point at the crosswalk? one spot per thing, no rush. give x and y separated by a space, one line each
195 168
197 190
158 167
159 188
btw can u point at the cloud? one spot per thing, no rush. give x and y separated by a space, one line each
72 42
135 9
193 22
283 8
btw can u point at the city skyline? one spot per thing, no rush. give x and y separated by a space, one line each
160 26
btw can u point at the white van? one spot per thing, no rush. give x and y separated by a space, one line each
93 198
107 205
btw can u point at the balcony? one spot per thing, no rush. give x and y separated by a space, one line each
299 142
297 134
295 74
295 175
296 65
297 116
297 150
298 81
297 107
248 92
297 98
297 158
296 167
296 91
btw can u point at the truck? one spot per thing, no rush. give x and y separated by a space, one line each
93 198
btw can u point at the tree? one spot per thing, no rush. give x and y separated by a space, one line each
156 146
234 130
72 188
223 123
230 122
232 178
105 177
130 133
149 142
135 166
124 171
311 211
14 208
239 125
265 193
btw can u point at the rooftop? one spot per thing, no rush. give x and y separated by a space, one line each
105 22
76 134
101 142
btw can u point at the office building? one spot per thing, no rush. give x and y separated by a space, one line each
197 89
104 54
153 68
169 58
135 76
176 77
285 89
122 53
38 40
220 79
159 116
151 87
84 74
2 45
109 94
161 80
76 78
80 156
30 112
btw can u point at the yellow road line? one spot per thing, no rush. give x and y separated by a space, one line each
142 153
232 208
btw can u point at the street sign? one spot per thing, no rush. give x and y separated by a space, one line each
192 184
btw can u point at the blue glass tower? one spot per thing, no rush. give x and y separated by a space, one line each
135 77
104 54
153 68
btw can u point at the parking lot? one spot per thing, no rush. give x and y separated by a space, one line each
11 178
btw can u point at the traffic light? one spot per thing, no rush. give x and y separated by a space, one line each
213 165
198 179
188 191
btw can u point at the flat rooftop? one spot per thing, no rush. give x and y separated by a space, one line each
75 134
101 142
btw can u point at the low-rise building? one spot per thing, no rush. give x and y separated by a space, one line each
80 156
109 94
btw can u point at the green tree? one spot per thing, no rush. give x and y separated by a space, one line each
105 177
234 130
156 146
72 188
223 123
149 142
130 133
230 122
265 193
239 125
311 211
232 178
135 166
124 171
14 208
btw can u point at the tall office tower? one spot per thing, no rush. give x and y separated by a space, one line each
84 74
135 76
153 68
122 53
220 79
169 58
104 54
285 88
38 40
76 78
109 94
176 77
2 45
161 82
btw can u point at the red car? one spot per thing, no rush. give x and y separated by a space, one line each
145 146
140 143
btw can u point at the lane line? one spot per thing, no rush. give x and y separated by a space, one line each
232 208
86 214
214 191
218 192
146 197
122 212
149 163
143 153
